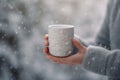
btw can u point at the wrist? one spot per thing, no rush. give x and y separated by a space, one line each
84 53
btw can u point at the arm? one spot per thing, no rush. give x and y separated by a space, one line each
102 61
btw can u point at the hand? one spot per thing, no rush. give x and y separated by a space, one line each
71 60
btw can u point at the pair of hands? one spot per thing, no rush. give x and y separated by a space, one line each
71 60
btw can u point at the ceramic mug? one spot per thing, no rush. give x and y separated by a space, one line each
60 37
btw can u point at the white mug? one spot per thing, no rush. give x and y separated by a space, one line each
60 37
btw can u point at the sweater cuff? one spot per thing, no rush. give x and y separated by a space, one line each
96 59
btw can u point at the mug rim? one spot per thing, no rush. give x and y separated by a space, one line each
61 26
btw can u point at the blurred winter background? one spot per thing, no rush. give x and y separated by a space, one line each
23 24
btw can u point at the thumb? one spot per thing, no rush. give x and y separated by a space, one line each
77 44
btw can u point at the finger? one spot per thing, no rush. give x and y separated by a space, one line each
59 62
46 37
77 44
63 61
48 55
56 59
46 51
46 43
53 58
66 62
